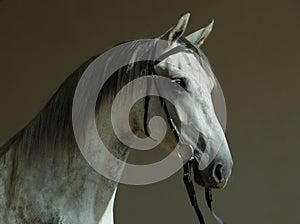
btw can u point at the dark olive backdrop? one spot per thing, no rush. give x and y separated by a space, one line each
254 50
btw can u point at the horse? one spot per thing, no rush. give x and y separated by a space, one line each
45 178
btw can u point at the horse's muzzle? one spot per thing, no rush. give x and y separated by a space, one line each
215 175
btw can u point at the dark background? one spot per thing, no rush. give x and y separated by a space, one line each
254 49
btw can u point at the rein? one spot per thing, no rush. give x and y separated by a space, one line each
187 172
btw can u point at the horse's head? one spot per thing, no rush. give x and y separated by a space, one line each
194 108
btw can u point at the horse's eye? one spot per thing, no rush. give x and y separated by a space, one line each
180 82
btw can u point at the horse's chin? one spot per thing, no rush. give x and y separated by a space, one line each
204 184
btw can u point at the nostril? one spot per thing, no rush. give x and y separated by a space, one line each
218 172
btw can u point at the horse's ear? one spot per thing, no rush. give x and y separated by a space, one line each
199 36
173 34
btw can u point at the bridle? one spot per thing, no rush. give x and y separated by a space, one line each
187 166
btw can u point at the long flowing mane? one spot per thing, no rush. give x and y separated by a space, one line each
53 122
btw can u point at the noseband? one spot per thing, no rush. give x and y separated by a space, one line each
187 166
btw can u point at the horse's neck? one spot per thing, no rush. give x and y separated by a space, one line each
107 216
44 176
54 187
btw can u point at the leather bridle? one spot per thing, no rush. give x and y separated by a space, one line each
186 45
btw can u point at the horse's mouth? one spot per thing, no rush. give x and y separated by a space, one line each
209 184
